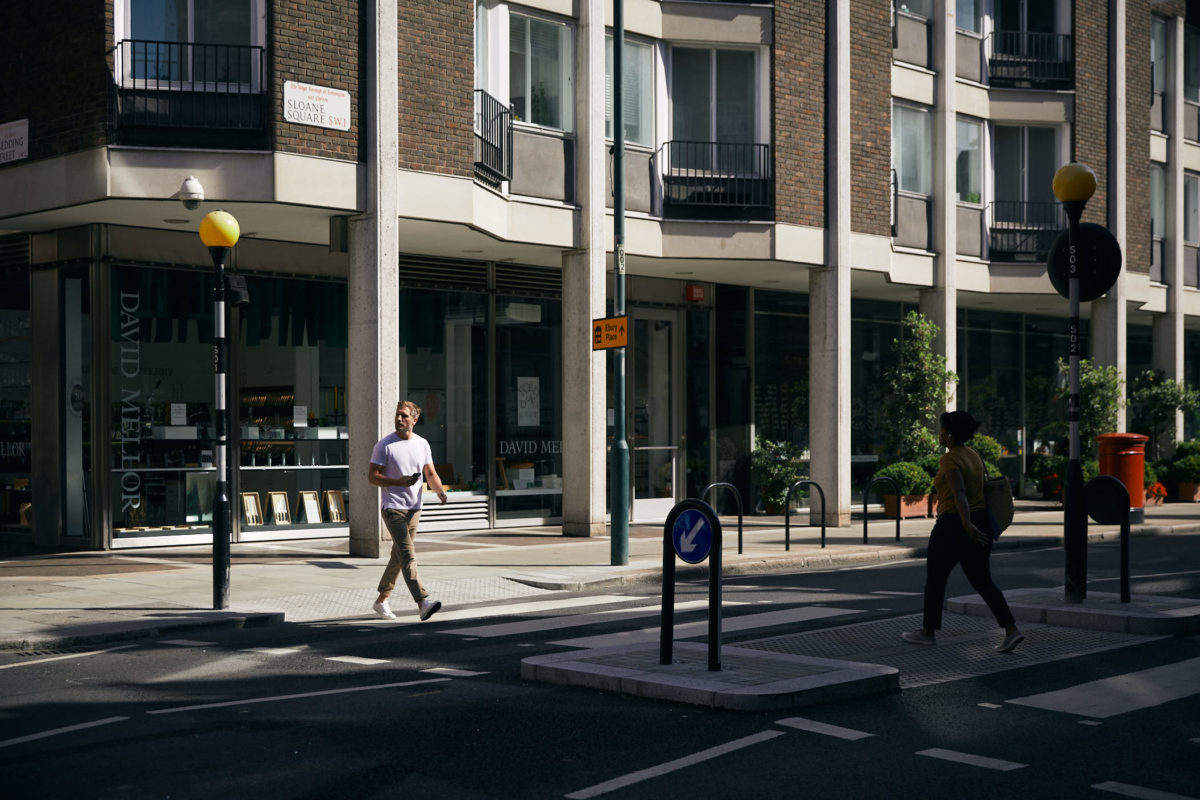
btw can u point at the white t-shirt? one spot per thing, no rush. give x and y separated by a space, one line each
399 458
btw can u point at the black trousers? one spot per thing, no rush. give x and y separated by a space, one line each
949 544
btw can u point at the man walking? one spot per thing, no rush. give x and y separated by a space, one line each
400 464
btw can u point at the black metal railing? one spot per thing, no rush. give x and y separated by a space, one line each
1023 231
1035 60
493 138
730 179
186 85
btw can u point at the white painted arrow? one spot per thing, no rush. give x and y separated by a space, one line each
687 542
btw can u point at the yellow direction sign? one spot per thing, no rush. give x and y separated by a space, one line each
610 332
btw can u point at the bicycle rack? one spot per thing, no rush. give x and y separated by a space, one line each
867 496
736 496
787 512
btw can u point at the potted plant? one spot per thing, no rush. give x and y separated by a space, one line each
1156 492
1187 472
775 466
914 485
1046 471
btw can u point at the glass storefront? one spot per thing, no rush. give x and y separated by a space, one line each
286 398
16 501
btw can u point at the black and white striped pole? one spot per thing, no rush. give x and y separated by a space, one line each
219 231
1074 184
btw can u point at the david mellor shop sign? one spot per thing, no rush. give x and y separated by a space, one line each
316 105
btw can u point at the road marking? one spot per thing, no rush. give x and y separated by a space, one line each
812 726
672 766
1092 722
274 651
357 660
574 620
971 760
185 642
251 700
1122 693
1129 790
64 658
899 594
69 729
453 673
744 622
989 705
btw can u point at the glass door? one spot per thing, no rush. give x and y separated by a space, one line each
653 407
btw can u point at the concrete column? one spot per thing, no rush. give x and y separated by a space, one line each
584 488
374 295
1168 327
1109 313
940 303
829 288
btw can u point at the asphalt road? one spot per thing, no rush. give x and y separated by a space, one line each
366 709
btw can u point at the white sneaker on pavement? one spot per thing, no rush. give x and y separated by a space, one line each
384 610
918 637
428 608
1010 642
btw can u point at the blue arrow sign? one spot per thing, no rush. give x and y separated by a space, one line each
692 536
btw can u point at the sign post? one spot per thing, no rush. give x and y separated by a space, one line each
693 532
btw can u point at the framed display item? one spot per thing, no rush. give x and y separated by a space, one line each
335 506
280 513
308 508
251 511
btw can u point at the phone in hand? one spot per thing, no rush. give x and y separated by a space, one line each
416 476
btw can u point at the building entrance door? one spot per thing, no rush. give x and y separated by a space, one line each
654 412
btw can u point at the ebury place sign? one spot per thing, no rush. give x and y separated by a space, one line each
321 106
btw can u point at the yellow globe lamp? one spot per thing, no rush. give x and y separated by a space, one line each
220 229
1074 183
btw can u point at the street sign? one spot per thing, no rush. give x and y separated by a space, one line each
1098 264
692 536
610 332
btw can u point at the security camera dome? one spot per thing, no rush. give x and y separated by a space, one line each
191 193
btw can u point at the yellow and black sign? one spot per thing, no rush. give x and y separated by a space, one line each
610 332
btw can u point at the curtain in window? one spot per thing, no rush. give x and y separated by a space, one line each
636 102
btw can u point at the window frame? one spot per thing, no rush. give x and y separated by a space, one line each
1158 200
566 69
1191 208
122 31
648 82
898 147
761 80
979 164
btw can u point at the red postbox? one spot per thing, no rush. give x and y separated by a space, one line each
1123 455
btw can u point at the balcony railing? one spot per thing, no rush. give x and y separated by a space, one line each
716 180
493 139
184 86
1023 231
1031 60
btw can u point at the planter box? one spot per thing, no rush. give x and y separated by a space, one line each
1154 499
911 505
1189 492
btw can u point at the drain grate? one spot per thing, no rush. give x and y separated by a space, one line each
964 648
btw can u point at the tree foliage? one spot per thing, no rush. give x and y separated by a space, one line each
1156 398
1099 402
919 389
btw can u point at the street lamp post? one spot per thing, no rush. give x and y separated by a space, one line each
219 231
1074 184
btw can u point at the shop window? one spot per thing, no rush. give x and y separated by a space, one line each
16 500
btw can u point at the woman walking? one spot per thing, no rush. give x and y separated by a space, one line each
962 534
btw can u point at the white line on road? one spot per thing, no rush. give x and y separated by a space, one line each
185 642
1122 693
898 594
574 620
453 673
971 760
250 700
69 729
1129 790
989 705
729 625
274 651
64 658
672 766
357 660
812 726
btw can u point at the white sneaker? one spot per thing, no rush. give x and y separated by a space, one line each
429 607
918 637
1010 642
384 610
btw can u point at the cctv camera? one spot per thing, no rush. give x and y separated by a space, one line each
191 193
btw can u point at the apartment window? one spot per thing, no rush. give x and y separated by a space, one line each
966 14
189 41
1028 16
1191 208
1157 200
1025 156
540 61
922 8
713 95
1158 54
912 149
638 86
968 161
1191 64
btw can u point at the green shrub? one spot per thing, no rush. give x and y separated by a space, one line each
1043 467
910 478
1185 449
989 450
930 464
1187 469
1150 473
775 466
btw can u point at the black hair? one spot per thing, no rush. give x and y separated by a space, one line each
960 424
